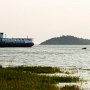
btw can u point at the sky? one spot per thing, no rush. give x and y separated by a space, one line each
44 19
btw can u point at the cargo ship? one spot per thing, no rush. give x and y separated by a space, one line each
15 42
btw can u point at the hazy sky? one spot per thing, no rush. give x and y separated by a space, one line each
43 19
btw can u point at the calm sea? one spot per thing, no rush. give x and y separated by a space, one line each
48 55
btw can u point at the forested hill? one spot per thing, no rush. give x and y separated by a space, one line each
66 40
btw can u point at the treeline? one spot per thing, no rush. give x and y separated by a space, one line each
66 40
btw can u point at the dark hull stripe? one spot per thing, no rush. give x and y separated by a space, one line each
16 44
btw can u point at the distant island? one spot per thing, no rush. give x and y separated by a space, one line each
66 40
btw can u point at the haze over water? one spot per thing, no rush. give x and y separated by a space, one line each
44 19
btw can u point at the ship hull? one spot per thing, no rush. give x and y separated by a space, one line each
16 44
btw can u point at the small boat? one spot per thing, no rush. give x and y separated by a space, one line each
84 48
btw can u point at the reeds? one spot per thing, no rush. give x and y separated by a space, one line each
28 78
73 87
38 69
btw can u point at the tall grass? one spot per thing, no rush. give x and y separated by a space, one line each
11 79
38 69
27 78
66 79
73 87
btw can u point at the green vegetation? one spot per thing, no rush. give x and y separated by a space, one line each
66 79
74 87
23 78
66 40
38 69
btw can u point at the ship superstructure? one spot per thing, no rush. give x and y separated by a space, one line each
15 42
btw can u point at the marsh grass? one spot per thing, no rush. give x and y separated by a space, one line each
17 80
28 78
38 69
66 79
74 87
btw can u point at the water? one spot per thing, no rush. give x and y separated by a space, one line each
55 56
